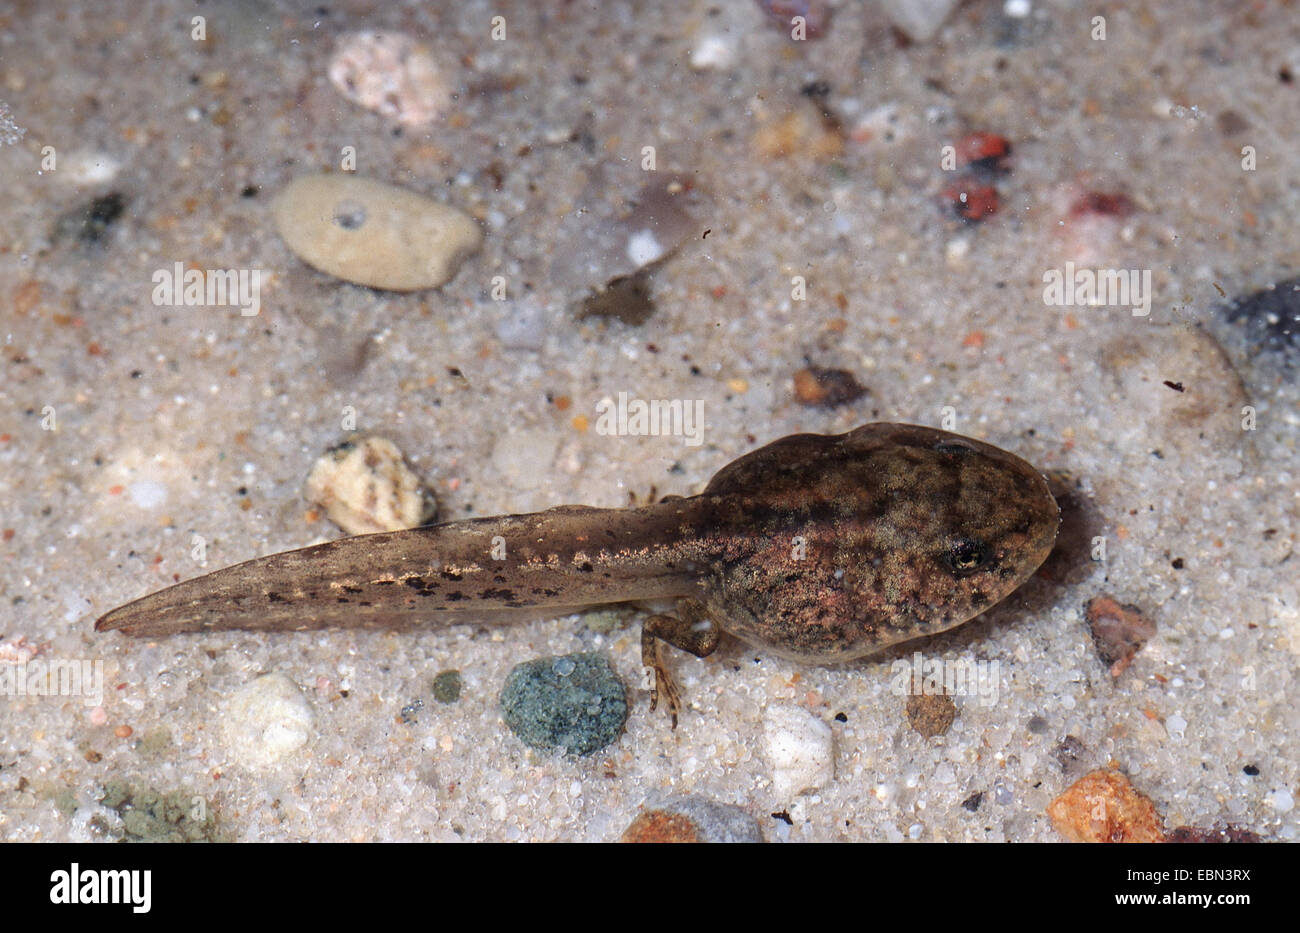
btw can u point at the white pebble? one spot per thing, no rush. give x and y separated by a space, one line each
266 720
713 52
365 486
1281 800
1017 9
799 747
643 248
90 168
390 74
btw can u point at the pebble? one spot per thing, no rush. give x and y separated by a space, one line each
1281 800
931 714
956 251
970 199
446 686
91 222
1103 806
390 74
1070 754
643 248
919 19
88 168
365 487
1270 318
150 815
713 52
691 819
828 388
370 233
575 703
799 747
266 720
984 152
1118 631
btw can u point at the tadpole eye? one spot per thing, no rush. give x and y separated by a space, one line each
966 556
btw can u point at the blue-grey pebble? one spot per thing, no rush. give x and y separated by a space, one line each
572 702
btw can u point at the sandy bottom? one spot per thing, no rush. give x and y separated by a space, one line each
129 431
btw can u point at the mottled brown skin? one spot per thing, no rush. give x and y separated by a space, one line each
907 531
816 547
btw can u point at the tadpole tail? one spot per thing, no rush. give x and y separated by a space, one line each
404 578
359 581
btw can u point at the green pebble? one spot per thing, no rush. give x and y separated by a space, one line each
575 702
148 815
446 687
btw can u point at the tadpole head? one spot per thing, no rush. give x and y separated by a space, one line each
866 539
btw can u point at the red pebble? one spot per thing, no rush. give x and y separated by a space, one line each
972 200
983 149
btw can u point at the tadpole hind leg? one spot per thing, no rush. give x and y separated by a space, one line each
690 630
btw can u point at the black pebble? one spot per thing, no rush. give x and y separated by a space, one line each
89 223
1271 318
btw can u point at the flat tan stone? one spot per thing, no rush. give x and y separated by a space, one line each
370 233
